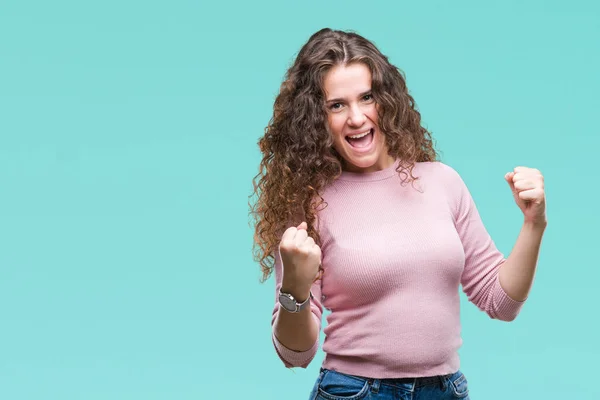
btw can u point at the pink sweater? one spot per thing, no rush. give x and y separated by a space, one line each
394 256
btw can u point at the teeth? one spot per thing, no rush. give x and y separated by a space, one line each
360 135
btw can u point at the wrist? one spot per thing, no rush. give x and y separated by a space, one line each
290 304
299 294
539 225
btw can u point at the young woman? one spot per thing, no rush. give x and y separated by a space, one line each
355 213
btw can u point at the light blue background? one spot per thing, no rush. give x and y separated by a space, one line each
128 135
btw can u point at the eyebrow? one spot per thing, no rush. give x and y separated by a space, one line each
341 100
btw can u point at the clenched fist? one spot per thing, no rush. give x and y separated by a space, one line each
527 185
301 258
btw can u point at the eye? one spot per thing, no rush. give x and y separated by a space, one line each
335 106
368 97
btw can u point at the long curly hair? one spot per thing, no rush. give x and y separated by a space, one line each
298 158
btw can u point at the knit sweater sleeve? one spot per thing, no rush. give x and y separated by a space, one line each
291 358
480 278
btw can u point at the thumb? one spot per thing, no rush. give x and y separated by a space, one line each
303 225
509 178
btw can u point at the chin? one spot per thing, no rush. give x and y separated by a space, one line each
362 165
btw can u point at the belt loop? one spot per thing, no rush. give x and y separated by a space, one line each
443 381
375 385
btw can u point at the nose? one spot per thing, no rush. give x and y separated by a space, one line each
356 117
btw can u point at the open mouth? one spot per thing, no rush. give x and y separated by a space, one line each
361 140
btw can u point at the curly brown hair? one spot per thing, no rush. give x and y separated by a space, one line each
298 158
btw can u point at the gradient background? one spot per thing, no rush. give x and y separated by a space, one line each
128 134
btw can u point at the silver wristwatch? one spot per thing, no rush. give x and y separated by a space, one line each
289 303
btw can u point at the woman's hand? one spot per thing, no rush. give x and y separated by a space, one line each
301 258
527 185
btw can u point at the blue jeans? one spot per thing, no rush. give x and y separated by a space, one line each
333 385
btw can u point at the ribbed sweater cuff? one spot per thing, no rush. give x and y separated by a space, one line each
292 358
506 308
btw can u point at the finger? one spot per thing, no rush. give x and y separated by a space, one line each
527 170
317 250
509 177
519 176
532 195
309 242
300 237
525 184
289 234
530 174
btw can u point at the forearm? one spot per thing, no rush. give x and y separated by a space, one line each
296 331
518 271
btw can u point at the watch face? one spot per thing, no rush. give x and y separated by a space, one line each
287 303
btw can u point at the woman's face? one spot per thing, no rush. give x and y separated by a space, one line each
352 119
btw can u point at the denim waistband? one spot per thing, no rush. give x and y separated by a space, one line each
418 381
414 382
